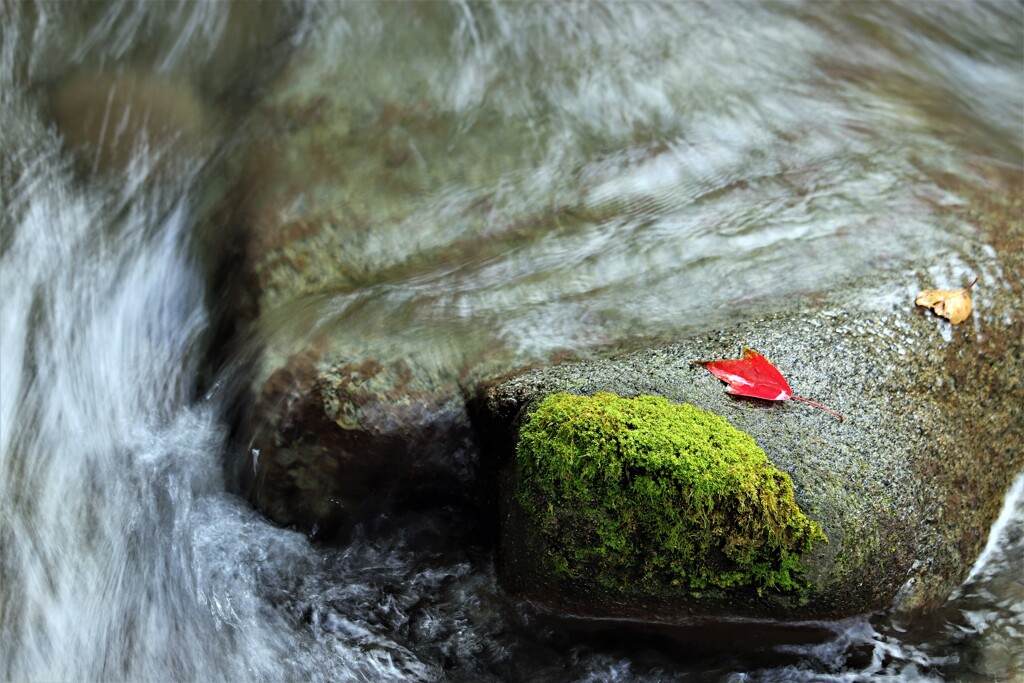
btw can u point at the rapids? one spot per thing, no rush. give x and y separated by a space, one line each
125 553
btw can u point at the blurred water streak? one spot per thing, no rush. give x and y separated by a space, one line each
756 146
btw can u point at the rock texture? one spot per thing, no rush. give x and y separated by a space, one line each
905 489
402 243
331 444
356 403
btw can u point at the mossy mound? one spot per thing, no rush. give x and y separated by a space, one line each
643 494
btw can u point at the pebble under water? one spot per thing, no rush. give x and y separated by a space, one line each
125 554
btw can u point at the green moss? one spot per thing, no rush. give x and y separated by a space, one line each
643 494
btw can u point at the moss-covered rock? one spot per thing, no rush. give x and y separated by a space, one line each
906 488
667 497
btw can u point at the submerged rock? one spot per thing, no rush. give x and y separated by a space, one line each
359 190
108 118
399 234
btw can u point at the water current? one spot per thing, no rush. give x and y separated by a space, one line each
124 552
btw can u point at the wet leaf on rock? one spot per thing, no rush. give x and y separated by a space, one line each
952 304
755 377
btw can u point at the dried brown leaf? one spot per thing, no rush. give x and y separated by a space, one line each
952 304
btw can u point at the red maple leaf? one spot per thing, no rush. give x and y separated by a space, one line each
754 376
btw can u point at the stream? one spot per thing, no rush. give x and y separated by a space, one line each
126 552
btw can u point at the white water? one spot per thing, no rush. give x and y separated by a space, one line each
123 556
108 468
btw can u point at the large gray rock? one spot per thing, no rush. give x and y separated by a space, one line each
435 195
905 488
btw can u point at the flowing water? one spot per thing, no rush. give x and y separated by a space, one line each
124 554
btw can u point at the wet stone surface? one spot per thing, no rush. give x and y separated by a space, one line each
397 254
335 444
905 489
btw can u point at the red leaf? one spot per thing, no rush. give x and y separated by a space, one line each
755 377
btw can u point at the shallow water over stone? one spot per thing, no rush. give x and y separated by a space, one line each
512 180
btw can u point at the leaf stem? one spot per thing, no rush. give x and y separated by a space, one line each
818 405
